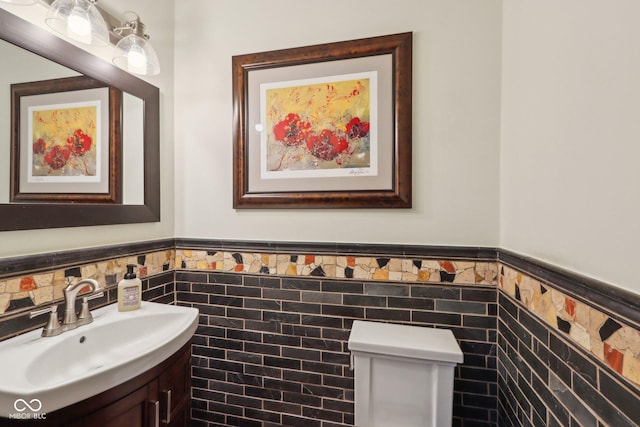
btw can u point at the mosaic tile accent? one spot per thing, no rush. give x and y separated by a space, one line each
47 286
546 379
614 343
578 356
341 267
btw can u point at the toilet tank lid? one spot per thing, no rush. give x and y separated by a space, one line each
405 341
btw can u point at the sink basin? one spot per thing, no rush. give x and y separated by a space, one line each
54 372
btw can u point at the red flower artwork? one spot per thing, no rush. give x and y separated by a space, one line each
79 143
57 157
39 146
327 145
291 130
357 129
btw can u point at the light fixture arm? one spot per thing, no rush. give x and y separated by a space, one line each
133 26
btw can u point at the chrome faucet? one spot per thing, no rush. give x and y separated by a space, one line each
70 319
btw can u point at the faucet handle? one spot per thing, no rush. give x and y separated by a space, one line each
85 314
53 326
69 279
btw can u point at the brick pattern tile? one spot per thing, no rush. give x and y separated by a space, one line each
546 379
273 351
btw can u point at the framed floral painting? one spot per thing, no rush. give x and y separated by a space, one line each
324 126
66 136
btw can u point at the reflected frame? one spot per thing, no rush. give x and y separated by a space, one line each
25 216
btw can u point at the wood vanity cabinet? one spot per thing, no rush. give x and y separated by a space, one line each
159 397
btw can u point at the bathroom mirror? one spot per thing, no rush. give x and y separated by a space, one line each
140 137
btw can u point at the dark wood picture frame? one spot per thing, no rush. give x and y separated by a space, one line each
18 143
399 47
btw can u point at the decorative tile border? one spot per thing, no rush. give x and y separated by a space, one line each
611 335
47 286
614 342
383 268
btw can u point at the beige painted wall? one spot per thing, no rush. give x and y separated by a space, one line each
455 115
570 135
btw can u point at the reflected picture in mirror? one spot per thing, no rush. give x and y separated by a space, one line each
65 141
34 55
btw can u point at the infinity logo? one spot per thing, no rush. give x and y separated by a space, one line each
22 405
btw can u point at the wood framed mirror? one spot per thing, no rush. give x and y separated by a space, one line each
39 215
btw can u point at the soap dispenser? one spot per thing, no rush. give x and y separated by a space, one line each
129 291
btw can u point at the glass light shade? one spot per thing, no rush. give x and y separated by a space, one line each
136 55
78 20
21 2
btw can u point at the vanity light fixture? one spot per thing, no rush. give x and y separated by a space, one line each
84 22
134 53
79 20
21 2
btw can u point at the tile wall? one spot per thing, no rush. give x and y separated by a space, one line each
27 283
563 360
542 346
272 351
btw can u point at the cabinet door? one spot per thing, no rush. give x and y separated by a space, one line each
129 411
175 392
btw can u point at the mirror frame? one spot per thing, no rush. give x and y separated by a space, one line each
27 216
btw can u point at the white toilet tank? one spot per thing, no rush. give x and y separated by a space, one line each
403 374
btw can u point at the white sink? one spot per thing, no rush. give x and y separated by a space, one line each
55 372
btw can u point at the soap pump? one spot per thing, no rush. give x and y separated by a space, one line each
129 291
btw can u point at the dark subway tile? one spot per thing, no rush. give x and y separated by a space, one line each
262 282
381 289
461 307
301 284
620 395
208 288
342 287
262 304
413 303
252 347
259 325
436 292
226 301
321 344
436 318
479 295
300 307
387 314
302 399
282 362
341 310
188 276
573 358
324 321
244 313
610 414
292 421
243 291
302 331
279 339
365 300
280 317
225 278
281 294
472 321
283 407
301 353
